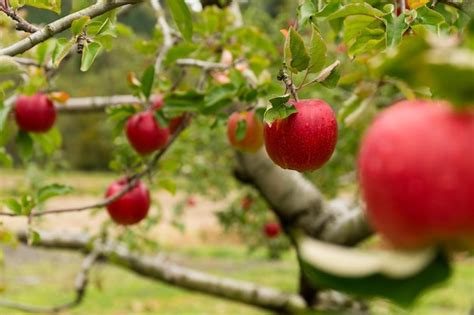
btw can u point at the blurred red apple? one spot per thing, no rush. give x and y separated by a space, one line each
305 140
145 133
35 113
416 171
272 229
130 208
253 138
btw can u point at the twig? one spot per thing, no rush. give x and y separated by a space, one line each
21 23
289 86
62 24
167 38
80 284
206 65
132 180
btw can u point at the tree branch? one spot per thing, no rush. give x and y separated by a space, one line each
62 24
299 204
167 36
82 279
205 65
21 23
161 269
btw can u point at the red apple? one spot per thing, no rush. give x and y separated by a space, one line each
253 138
416 171
132 207
145 133
158 102
305 140
272 229
35 113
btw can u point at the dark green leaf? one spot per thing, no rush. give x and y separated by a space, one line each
147 80
24 145
317 52
332 80
178 103
296 55
218 97
241 130
182 17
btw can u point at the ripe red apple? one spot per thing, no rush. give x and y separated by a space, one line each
416 171
305 140
132 207
253 138
35 113
272 229
145 133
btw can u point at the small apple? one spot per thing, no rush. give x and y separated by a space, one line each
252 141
145 133
35 113
132 207
416 171
271 229
305 140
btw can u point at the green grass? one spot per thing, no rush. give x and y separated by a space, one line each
116 291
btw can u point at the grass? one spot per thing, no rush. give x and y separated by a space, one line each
42 277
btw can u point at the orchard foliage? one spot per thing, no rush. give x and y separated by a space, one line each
357 56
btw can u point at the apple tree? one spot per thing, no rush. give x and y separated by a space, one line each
375 94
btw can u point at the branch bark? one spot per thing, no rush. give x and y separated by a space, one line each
62 24
299 204
161 269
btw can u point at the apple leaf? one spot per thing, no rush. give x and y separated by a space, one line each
317 52
396 26
161 119
355 9
241 130
305 11
182 17
4 111
13 205
181 102
52 5
296 55
428 16
398 276
5 158
50 141
8 66
78 25
147 80
280 109
218 97
415 4
24 145
91 51
61 50
332 80
53 190
168 184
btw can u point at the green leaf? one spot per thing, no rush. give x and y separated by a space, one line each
332 80
218 97
317 52
147 80
356 9
91 51
5 158
363 33
50 141
4 111
180 50
280 109
180 102
8 66
53 190
428 16
296 55
398 276
61 50
13 205
24 145
305 11
241 130
161 119
33 237
44 49
328 9
78 25
52 5
168 184
182 17
395 28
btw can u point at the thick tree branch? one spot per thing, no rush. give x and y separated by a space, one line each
299 204
62 24
82 279
160 268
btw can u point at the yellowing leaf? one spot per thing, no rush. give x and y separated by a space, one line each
60 97
415 4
